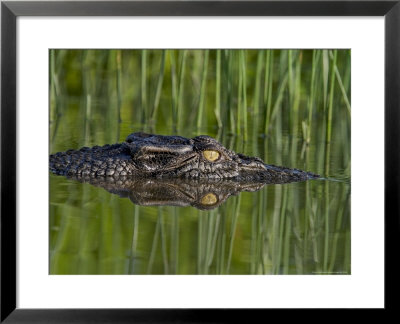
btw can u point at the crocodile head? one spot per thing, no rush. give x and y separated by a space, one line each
201 157
158 156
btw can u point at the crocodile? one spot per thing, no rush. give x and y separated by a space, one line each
201 194
145 155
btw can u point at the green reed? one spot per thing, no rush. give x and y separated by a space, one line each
174 89
160 80
153 252
242 54
174 246
268 82
218 89
257 84
239 109
331 95
202 95
311 101
181 88
143 80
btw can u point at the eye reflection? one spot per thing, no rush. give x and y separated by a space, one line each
211 155
209 199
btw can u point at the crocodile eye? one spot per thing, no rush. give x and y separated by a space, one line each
211 155
209 199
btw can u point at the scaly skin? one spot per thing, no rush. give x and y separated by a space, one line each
156 156
201 194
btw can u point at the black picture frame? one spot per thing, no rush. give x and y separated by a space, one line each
10 10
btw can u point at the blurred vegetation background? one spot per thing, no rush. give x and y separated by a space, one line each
289 107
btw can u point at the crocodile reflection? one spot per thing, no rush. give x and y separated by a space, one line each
204 195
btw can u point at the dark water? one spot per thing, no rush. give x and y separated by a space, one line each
296 228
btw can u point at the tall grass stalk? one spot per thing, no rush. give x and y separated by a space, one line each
239 100
347 73
154 244
220 257
135 234
257 86
53 87
331 96
308 219
291 78
341 86
275 226
296 103
159 88
264 224
229 92
347 252
181 87
204 245
311 100
282 220
119 83
244 84
88 86
278 102
325 74
343 90
208 242
54 97
202 99
174 88
216 218
327 227
217 109
286 244
175 242
88 114
268 82
163 243
327 158
339 223
199 242
254 240
119 90
143 81
233 231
